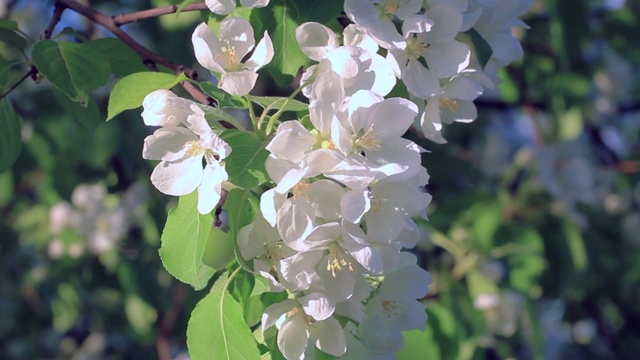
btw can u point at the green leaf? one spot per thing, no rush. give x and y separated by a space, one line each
224 100
10 135
8 24
576 245
487 221
216 115
88 116
183 242
245 164
11 37
277 103
217 330
321 11
75 69
219 250
419 345
480 46
129 92
280 22
123 60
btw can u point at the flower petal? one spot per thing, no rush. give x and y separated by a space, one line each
316 40
206 46
221 7
262 55
179 177
238 83
167 144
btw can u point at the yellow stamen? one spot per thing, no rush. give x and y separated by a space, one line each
337 260
390 7
229 56
194 148
449 104
368 141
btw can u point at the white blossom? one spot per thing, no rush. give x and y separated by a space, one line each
224 54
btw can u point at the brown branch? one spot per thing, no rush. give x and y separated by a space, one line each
168 320
149 58
32 72
57 16
123 19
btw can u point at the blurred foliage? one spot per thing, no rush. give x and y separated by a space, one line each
533 235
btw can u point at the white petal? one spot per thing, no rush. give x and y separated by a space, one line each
421 82
316 40
325 196
262 55
163 108
167 144
239 33
221 7
238 83
406 283
291 141
317 305
462 87
210 190
178 178
354 204
206 47
275 311
293 337
329 337
447 23
448 59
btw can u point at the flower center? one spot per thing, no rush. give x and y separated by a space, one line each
194 148
376 204
368 141
337 260
229 56
416 46
274 251
449 104
390 7
300 190
391 306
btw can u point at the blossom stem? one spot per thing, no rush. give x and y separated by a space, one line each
252 114
275 116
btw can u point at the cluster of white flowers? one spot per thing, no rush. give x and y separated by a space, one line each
347 185
99 218
441 71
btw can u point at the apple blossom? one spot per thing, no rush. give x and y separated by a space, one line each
181 151
224 54
224 7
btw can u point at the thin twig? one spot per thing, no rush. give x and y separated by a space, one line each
31 72
123 19
57 16
149 58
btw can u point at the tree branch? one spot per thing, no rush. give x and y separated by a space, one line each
149 58
57 16
123 19
32 72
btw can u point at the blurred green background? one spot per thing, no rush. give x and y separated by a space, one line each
533 236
